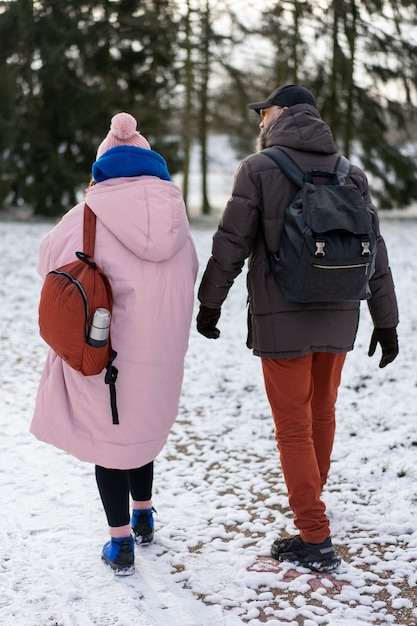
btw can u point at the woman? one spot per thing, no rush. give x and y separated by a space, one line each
143 244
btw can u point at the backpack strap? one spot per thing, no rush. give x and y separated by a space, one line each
88 251
110 380
291 169
286 164
89 231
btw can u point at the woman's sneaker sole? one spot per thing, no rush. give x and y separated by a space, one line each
119 571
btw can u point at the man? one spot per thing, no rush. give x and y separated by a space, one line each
302 347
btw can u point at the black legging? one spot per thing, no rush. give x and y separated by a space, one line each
115 486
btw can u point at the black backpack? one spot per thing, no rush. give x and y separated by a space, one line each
328 244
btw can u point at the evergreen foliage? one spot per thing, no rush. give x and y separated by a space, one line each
67 67
185 70
359 59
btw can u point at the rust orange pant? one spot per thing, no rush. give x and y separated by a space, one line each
302 393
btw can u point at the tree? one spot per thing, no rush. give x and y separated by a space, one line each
207 40
205 67
353 54
69 66
372 55
284 23
254 70
188 101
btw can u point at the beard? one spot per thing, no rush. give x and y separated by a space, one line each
261 141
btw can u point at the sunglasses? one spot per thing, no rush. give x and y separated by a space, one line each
264 112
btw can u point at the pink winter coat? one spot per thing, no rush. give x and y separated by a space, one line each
143 244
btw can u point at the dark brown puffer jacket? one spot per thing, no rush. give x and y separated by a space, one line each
252 223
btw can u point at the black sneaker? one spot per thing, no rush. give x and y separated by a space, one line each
143 525
319 557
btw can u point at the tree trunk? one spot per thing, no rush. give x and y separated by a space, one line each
187 130
203 126
349 127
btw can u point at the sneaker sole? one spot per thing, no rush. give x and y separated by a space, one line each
325 566
143 540
117 570
316 566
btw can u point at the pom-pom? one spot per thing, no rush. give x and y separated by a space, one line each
123 125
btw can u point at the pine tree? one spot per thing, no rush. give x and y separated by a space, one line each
359 59
372 57
68 67
206 47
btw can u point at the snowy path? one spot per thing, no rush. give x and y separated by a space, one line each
219 492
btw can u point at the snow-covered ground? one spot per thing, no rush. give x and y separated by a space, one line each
219 491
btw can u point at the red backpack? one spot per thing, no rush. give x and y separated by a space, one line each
73 297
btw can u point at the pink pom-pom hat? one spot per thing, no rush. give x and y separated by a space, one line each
122 133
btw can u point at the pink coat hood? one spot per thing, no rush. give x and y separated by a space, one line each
155 227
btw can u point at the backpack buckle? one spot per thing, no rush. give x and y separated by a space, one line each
366 246
320 247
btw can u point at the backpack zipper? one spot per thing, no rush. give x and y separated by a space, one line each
82 292
341 267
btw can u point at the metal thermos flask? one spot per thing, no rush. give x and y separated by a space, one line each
100 328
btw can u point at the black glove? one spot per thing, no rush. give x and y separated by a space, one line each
206 322
387 338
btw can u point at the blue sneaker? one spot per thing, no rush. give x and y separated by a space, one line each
120 555
142 525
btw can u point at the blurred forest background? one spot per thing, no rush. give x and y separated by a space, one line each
186 70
